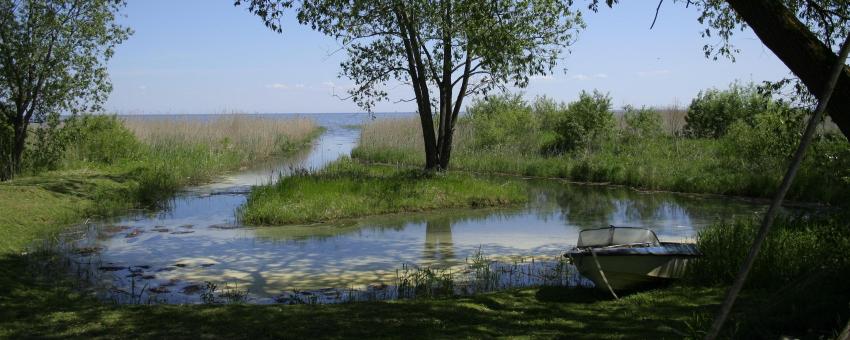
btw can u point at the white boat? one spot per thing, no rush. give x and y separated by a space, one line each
625 258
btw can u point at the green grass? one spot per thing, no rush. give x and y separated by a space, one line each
43 305
347 189
694 165
803 269
107 171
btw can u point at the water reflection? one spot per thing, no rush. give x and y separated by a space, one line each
438 241
199 239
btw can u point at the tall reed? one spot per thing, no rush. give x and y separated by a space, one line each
254 137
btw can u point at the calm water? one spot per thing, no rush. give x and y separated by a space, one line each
198 239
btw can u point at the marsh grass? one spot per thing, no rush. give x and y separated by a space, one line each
253 137
801 272
665 162
109 168
347 189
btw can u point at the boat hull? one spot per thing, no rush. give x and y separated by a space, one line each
629 272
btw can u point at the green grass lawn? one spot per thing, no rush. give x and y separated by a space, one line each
347 189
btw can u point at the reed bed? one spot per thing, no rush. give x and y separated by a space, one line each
255 137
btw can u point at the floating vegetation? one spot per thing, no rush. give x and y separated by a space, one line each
134 233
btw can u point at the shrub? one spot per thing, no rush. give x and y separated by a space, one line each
643 122
588 121
767 143
501 120
101 139
713 111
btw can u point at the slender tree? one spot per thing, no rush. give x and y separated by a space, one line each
52 61
445 50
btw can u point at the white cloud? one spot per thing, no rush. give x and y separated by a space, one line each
299 86
143 87
547 77
653 73
583 77
329 84
278 86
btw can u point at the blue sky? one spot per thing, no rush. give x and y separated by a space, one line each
207 56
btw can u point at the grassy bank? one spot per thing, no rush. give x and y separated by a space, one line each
348 189
36 304
659 162
802 270
112 165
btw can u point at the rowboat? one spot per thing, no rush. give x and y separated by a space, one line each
627 258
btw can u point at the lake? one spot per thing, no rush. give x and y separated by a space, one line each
169 255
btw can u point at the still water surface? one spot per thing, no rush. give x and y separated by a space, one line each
198 238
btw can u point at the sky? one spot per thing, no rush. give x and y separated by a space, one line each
207 56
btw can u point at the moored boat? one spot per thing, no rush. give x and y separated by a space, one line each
626 258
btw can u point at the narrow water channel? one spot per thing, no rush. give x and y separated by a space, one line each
169 255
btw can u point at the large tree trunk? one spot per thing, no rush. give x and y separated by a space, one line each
430 139
18 145
800 49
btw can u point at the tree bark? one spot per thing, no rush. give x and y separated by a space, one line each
18 145
418 78
801 50
446 89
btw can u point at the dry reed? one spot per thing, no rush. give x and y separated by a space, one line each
259 136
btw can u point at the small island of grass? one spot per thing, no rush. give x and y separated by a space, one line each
347 189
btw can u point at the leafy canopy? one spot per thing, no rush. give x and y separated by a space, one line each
507 41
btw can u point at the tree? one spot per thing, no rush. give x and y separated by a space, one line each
445 50
52 61
804 34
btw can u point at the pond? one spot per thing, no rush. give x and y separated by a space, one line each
176 254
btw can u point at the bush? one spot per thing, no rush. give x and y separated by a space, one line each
588 121
502 120
767 143
548 114
643 122
48 141
101 139
713 111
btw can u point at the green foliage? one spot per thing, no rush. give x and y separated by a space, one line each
101 139
348 189
501 120
795 248
802 270
445 50
588 122
713 111
61 48
749 161
46 145
642 123
767 143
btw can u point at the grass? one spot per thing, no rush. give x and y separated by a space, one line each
346 189
110 169
38 304
802 269
663 162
